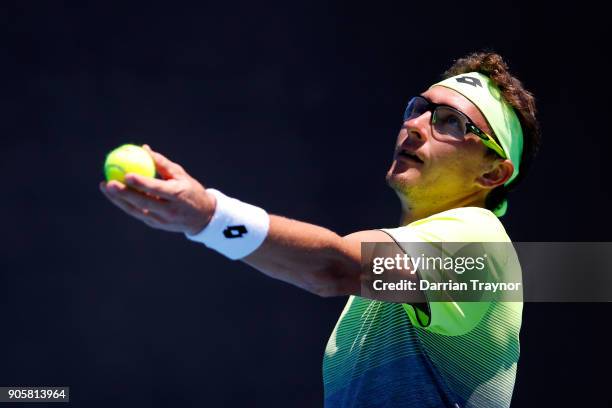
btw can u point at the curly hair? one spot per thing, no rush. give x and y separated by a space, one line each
523 102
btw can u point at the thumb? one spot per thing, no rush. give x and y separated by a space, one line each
166 168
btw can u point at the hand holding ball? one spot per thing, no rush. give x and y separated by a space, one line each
128 158
175 202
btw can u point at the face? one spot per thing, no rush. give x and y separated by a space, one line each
437 174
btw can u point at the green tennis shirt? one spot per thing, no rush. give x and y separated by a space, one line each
381 354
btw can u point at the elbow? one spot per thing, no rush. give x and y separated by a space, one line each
325 290
336 279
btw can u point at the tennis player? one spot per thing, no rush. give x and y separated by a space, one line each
464 143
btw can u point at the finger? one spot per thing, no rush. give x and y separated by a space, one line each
153 219
165 167
110 186
143 214
140 201
123 205
161 188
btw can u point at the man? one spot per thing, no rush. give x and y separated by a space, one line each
464 143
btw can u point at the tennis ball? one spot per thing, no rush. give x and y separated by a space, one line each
128 158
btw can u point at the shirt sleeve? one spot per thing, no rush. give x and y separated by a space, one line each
462 225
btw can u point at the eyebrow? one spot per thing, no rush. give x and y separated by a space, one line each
446 104
488 127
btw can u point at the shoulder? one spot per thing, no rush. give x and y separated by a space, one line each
465 224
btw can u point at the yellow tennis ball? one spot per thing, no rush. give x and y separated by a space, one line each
128 158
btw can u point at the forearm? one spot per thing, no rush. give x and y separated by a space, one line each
308 256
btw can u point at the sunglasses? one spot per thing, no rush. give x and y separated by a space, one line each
449 124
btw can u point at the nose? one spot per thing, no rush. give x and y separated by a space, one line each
418 129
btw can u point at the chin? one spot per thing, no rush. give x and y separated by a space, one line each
401 182
404 176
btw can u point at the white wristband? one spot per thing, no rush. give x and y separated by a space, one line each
236 229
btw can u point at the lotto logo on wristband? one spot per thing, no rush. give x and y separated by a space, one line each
235 231
233 219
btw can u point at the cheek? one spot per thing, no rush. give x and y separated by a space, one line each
457 164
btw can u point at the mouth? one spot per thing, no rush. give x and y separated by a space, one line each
406 155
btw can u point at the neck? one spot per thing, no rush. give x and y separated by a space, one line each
411 211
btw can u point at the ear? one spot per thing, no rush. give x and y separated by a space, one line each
496 175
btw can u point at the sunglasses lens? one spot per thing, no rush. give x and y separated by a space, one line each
416 107
449 123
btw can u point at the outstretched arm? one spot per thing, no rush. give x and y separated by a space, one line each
308 256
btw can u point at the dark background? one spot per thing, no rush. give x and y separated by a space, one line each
290 106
